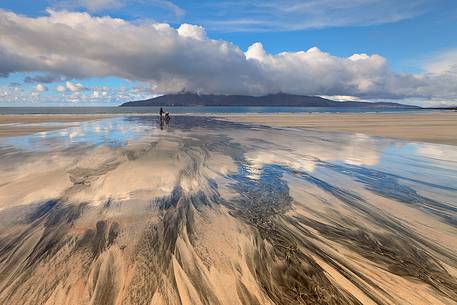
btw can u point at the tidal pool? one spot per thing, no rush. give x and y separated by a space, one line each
204 211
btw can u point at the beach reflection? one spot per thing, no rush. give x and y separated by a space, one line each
203 211
113 132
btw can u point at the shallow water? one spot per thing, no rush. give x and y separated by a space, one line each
203 211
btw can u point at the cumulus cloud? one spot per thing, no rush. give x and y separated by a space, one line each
71 87
78 45
192 31
61 88
17 96
40 88
75 87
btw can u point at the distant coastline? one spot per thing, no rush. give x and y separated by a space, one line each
271 100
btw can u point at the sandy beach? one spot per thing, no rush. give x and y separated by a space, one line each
124 211
433 127
18 125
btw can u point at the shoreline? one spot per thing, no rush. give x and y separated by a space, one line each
433 127
12 125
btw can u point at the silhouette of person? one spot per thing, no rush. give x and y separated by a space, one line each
161 112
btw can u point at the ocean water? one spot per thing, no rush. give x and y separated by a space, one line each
194 110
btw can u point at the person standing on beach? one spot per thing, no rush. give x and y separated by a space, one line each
161 117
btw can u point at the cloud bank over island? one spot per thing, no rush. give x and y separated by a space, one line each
74 45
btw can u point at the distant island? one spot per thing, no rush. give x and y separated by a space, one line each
270 100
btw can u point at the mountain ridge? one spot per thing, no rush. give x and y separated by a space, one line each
270 100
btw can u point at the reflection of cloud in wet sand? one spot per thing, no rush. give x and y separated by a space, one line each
231 215
441 153
355 149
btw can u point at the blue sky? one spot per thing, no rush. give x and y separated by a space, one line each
415 41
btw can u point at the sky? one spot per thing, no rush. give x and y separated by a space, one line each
106 52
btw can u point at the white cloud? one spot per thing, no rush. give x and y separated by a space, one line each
110 5
442 63
95 5
72 87
75 87
192 31
61 88
256 51
96 94
286 15
91 5
176 10
40 88
17 96
77 45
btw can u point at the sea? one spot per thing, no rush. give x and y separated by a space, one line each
200 110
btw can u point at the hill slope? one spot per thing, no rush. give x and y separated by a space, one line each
280 99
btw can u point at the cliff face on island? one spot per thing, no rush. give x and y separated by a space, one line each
271 100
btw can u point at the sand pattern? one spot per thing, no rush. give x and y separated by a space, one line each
207 211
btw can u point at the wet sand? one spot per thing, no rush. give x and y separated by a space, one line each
18 125
433 127
205 211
